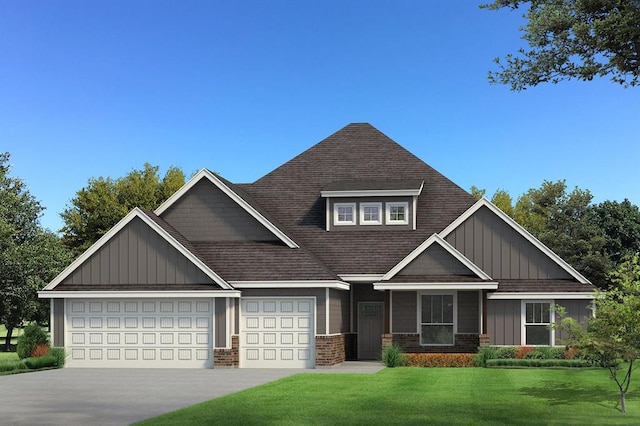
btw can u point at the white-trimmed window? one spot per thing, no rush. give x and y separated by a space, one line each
344 214
370 213
538 317
437 313
397 213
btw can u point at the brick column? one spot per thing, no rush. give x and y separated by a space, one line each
228 357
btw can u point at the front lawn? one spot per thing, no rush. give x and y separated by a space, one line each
422 396
8 356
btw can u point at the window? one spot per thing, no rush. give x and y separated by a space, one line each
397 213
370 213
344 214
537 323
436 319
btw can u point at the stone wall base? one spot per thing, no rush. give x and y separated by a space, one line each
330 350
228 357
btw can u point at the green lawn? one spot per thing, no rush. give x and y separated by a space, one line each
8 356
448 396
14 337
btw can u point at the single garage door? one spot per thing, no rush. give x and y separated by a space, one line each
139 333
277 333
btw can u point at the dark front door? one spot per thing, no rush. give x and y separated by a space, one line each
370 327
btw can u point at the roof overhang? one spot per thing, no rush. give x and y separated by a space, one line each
361 278
549 295
48 294
338 285
484 285
372 193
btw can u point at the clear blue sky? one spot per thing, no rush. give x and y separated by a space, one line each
98 88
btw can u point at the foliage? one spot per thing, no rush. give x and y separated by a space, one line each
40 362
6 366
393 356
573 39
506 352
33 336
620 223
59 354
614 333
41 349
484 354
537 362
29 255
440 360
104 201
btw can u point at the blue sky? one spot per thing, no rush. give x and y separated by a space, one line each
98 88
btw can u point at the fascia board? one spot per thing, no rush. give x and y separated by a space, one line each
532 296
372 193
533 240
338 285
361 277
136 212
204 173
436 286
137 294
435 238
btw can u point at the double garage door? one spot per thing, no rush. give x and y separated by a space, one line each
277 333
139 333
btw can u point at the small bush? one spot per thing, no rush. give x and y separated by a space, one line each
12 366
485 353
59 354
506 352
393 356
522 351
40 350
573 353
41 362
540 363
32 336
440 360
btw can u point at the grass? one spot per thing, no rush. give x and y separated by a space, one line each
8 356
451 396
14 337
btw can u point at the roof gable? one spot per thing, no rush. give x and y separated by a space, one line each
498 244
231 217
137 239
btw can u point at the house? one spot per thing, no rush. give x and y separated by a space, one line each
351 245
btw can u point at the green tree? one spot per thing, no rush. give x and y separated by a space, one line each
573 39
620 223
503 201
477 192
614 333
29 255
104 201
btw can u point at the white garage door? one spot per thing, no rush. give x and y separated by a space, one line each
277 333
139 333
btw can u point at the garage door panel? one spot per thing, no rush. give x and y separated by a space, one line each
277 333
140 333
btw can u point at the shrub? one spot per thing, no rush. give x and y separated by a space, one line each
40 350
485 353
540 363
12 366
522 351
393 356
440 360
32 336
506 352
41 362
59 354
573 353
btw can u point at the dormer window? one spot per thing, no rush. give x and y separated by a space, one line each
370 213
344 213
397 213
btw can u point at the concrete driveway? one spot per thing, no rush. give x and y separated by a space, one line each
116 396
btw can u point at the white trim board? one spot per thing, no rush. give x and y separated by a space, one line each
436 286
483 202
204 294
206 174
338 285
137 213
536 296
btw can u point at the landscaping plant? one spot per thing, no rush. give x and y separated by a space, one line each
393 356
33 336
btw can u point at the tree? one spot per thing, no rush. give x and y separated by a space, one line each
503 201
620 223
104 201
29 256
573 39
614 333
477 192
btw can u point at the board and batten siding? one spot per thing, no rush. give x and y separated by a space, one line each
318 293
504 321
338 311
500 251
205 213
435 260
221 323
57 314
580 310
404 313
136 255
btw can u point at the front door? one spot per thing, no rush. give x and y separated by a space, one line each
370 328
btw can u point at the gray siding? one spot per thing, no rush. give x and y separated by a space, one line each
364 293
205 213
136 255
468 312
435 260
58 322
503 322
338 311
221 322
382 200
576 309
318 293
405 311
500 251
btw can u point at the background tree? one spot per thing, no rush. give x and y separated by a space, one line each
29 255
104 201
614 333
573 39
620 223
